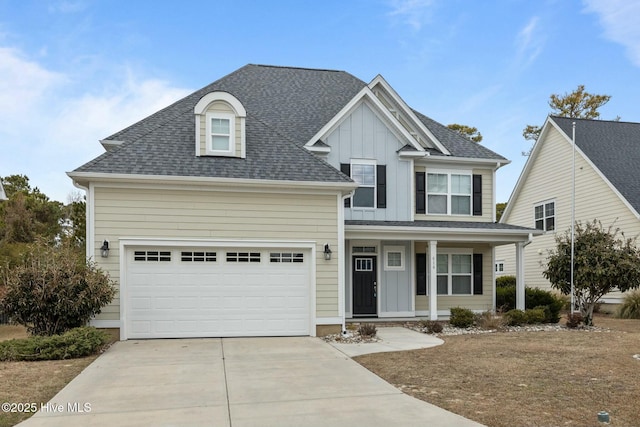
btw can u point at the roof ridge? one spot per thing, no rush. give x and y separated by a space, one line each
297 68
594 120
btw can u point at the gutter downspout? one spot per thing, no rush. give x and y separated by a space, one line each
342 261
498 166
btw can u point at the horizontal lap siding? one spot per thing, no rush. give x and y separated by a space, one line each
156 213
551 178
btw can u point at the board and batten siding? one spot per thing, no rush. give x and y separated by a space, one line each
363 135
482 302
155 213
221 107
550 178
487 196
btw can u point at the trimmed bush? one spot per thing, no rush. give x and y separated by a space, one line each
505 281
506 298
630 307
515 317
534 297
78 342
534 316
55 290
367 330
461 317
574 320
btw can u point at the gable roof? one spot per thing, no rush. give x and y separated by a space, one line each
285 107
612 147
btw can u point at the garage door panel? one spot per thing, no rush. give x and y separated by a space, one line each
218 298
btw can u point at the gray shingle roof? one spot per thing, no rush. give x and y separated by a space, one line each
613 147
494 226
285 107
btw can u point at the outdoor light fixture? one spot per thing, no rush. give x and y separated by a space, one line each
104 249
327 252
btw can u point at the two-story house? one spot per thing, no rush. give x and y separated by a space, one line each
283 201
607 154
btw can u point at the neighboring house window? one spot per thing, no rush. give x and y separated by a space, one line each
220 133
449 194
454 271
394 258
545 216
499 266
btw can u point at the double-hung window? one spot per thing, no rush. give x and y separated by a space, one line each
220 133
364 173
545 216
449 193
454 271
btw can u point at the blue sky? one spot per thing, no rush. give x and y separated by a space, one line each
75 71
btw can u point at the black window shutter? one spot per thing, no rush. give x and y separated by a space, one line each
477 195
420 193
477 274
381 186
345 168
421 274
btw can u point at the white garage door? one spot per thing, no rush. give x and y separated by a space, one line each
217 292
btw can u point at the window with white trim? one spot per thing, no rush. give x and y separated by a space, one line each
286 257
499 266
545 216
394 258
197 256
455 273
152 256
243 257
220 131
449 193
363 172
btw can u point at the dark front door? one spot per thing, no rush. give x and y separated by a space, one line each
365 289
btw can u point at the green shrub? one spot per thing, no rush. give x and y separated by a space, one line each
574 320
547 313
515 317
54 290
505 281
534 297
488 320
535 316
630 307
461 317
78 342
367 330
506 298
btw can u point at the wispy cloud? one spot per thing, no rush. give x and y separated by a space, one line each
529 43
619 20
67 6
414 13
49 124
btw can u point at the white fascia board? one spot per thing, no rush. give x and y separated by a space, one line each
319 150
379 80
108 144
230 183
197 242
207 99
367 94
438 233
467 161
527 167
413 154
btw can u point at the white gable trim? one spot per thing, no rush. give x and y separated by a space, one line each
379 80
365 95
3 195
534 153
204 102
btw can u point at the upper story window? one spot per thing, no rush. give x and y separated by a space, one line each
365 175
449 193
545 216
219 131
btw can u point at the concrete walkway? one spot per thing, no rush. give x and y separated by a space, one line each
394 338
237 382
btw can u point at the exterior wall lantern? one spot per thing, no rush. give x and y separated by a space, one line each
104 249
327 252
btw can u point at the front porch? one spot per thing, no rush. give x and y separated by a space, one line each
398 271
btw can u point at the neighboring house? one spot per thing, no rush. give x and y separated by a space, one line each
282 201
3 195
607 188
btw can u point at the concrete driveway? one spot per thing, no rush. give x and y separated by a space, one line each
234 382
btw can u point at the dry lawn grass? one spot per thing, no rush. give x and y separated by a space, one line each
510 379
37 382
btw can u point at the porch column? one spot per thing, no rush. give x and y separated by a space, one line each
520 275
433 280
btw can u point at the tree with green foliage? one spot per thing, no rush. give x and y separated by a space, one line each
55 289
578 104
602 263
468 132
500 207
